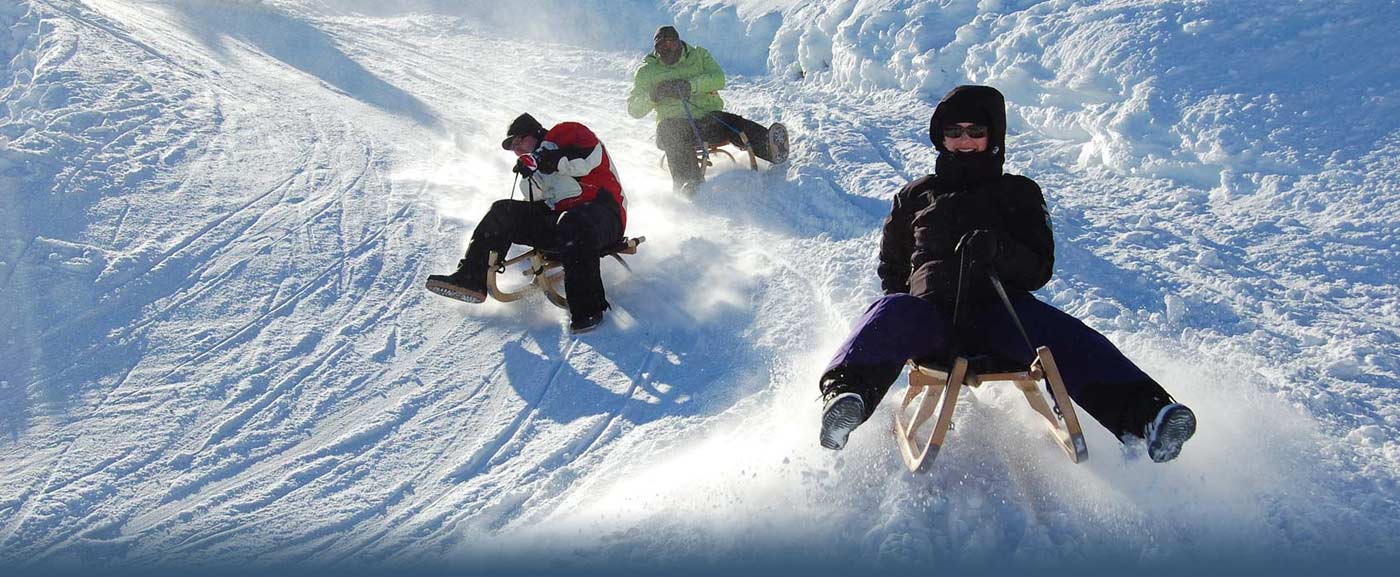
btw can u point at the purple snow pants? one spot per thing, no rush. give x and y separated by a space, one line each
901 327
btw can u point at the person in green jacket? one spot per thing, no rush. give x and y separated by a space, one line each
682 83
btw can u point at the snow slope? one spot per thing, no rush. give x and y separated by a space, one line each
215 218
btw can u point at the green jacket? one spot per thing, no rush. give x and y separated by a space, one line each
695 65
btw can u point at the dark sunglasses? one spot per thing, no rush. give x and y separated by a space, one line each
974 131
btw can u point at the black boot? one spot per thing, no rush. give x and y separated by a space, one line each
1168 431
843 410
579 324
464 285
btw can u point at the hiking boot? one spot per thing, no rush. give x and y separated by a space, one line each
1165 435
460 285
842 414
585 323
777 143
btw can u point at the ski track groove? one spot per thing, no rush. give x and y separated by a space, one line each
483 457
348 463
549 467
245 466
46 486
19 258
480 463
294 299
413 509
187 241
314 454
121 223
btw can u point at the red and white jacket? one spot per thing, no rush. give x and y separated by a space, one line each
585 171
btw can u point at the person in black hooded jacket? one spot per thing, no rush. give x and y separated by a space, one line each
945 237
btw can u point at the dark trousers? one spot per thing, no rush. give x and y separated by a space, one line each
578 235
677 138
901 327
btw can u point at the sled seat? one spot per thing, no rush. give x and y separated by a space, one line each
546 273
939 387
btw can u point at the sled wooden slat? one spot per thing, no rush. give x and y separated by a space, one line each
939 392
541 272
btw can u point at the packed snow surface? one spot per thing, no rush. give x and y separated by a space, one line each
216 218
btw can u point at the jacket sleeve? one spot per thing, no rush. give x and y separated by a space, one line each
639 102
710 78
1026 258
897 240
580 150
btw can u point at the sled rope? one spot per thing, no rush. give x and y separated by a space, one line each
953 347
699 141
1001 292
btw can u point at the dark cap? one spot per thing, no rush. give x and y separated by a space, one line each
666 32
521 126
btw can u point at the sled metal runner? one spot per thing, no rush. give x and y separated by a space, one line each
545 273
939 390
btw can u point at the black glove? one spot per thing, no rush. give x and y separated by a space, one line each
678 88
549 159
526 165
979 246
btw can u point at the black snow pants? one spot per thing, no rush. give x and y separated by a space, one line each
677 138
578 235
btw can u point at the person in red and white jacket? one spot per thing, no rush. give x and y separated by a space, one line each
573 203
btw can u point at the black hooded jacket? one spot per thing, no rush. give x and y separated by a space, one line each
966 192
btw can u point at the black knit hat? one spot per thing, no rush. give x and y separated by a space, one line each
522 125
666 32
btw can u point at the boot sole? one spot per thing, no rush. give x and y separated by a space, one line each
1176 428
455 292
778 141
842 417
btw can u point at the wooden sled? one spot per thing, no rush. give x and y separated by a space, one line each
716 149
940 387
545 272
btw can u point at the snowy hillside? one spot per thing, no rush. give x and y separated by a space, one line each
216 218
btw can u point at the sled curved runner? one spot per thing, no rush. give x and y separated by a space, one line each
939 388
545 272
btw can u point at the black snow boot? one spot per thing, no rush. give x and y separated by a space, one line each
842 411
1166 433
463 285
579 324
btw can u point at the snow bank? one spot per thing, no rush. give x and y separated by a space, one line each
1207 94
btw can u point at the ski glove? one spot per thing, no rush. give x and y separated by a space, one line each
678 88
979 246
548 159
526 165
